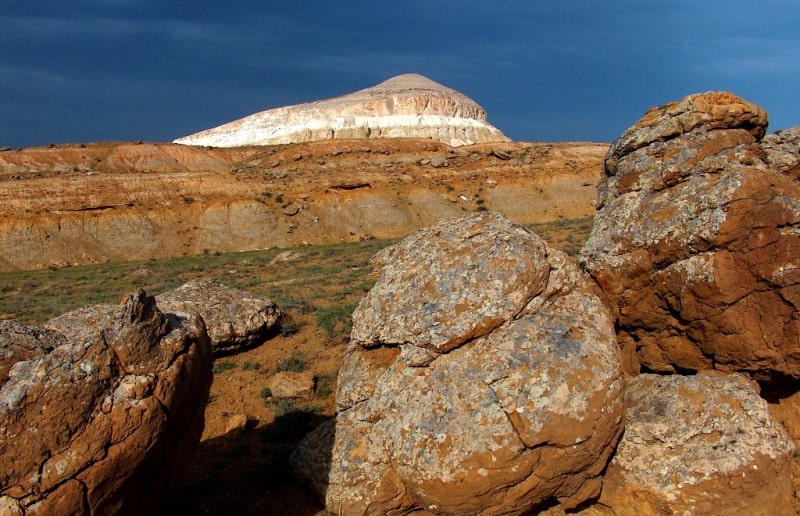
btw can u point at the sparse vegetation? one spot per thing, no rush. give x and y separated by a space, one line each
222 366
266 393
568 235
324 385
284 407
295 364
326 281
336 321
288 329
251 366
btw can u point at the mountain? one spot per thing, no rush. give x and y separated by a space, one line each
406 106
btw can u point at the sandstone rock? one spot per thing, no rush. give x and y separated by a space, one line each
235 319
406 106
288 384
703 444
20 342
482 376
102 423
696 241
438 162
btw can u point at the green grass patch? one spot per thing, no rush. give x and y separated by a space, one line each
336 320
325 281
568 235
288 329
222 366
294 364
324 385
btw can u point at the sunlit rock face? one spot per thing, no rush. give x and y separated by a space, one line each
406 106
482 377
697 237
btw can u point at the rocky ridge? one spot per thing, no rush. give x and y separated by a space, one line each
406 106
78 204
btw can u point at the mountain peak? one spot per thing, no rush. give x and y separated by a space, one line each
410 81
404 106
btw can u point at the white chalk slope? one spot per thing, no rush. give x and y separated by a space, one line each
406 106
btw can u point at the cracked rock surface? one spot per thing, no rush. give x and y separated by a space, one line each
235 320
705 444
696 241
102 419
482 377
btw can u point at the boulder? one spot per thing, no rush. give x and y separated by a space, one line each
482 376
696 241
103 422
235 319
288 384
703 444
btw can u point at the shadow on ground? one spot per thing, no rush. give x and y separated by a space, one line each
247 474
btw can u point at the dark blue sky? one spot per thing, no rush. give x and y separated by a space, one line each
80 71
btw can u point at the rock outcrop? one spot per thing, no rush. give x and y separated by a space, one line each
702 444
77 204
482 376
696 242
20 342
102 422
235 320
406 106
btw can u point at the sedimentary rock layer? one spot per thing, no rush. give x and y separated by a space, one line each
406 106
73 204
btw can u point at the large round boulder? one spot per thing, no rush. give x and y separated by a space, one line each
102 418
703 444
696 241
482 377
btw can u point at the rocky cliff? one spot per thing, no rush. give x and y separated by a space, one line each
406 106
72 204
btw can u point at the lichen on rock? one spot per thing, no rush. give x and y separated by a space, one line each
703 444
482 376
235 320
697 237
102 421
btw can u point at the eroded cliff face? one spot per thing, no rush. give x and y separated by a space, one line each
75 204
406 106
